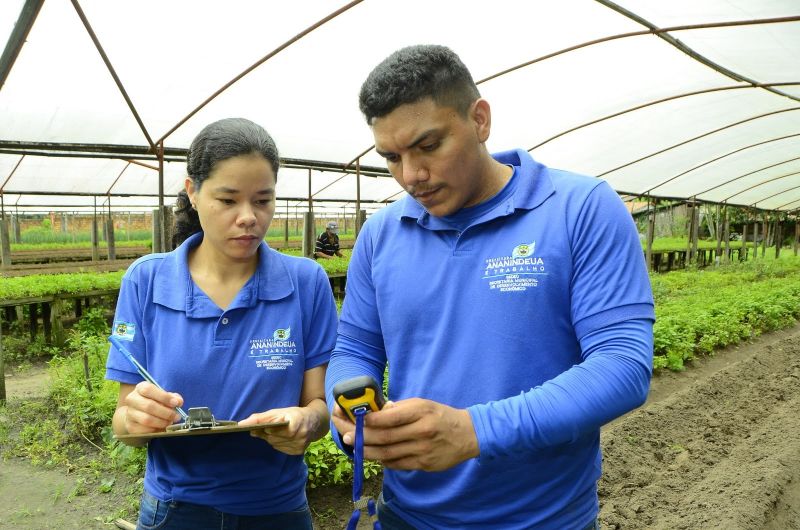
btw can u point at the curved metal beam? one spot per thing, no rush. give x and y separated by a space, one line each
709 133
657 102
776 194
113 72
27 16
258 63
662 183
763 182
750 173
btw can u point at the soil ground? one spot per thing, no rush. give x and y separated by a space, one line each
716 446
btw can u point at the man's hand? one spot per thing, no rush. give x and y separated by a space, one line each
414 434
149 409
292 439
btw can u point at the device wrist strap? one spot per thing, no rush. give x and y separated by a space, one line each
360 502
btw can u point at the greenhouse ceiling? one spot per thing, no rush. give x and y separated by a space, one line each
683 99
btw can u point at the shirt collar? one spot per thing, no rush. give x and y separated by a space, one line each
174 288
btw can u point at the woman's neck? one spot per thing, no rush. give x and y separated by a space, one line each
206 263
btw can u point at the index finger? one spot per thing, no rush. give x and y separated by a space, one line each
395 414
150 391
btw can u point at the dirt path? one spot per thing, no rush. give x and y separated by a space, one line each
717 446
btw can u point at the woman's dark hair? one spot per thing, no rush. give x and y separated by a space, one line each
414 73
219 141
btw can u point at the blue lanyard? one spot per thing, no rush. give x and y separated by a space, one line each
360 502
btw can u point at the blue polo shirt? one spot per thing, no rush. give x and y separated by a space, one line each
532 310
248 358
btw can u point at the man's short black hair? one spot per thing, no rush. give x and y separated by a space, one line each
414 73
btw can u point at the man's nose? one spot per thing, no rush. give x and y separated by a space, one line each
413 173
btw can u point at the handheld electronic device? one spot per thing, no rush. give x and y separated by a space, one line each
360 392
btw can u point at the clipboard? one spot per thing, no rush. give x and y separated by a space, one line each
202 431
200 421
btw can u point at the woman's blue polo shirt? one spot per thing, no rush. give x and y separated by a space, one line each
248 358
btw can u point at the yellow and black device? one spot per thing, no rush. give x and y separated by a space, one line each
357 393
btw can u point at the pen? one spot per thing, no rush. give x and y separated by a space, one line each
139 368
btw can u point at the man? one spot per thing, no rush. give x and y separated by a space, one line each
511 302
328 242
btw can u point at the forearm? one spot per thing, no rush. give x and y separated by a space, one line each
613 380
318 408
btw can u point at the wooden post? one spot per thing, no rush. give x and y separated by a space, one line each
5 243
796 235
2 370
15 228
309 235
47 323
56 326
778 236
167 228
743 251
755 237
718 224
33 320
695 231
110 247
156 231
286 226
95 244
651 228
726 232
765 234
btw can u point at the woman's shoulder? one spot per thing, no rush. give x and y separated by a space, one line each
297 265
147 266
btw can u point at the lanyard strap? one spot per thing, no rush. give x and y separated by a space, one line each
360 502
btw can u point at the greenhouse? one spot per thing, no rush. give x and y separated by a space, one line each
689 110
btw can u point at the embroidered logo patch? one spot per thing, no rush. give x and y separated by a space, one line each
274 353
517 272
524 250
282 334
124 330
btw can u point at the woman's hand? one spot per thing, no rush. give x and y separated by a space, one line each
305 424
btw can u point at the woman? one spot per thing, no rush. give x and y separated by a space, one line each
227 323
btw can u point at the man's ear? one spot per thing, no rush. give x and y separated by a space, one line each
481 116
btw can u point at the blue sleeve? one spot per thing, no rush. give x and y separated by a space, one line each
127 327
321 331
613 379
359 346
611 307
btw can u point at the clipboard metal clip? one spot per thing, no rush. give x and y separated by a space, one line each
199 418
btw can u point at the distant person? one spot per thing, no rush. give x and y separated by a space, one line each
511 303
328 242
225 322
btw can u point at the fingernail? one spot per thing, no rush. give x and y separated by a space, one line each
348 439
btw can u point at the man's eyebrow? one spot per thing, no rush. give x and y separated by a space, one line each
419 139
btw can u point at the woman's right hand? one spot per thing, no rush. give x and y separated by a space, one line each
149 409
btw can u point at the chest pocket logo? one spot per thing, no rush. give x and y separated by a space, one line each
282 334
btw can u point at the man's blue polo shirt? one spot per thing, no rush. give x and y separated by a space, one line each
249 358
532 310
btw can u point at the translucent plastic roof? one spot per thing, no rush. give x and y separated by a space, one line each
678 99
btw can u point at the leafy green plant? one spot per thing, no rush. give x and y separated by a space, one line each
328 465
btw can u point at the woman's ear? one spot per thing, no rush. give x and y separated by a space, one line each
188 185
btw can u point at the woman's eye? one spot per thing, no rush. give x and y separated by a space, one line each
226 201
